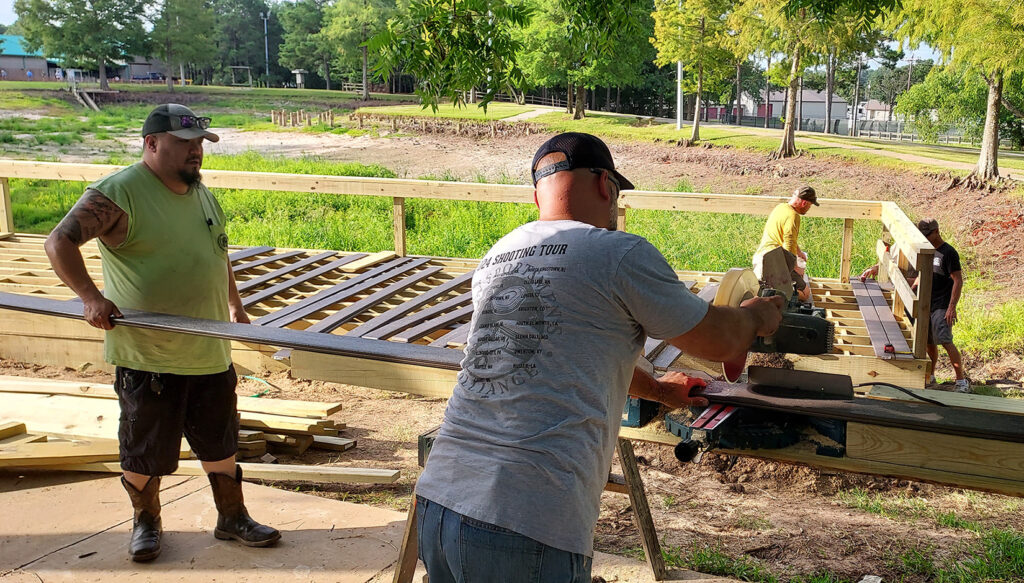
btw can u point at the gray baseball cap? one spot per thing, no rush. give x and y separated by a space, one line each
178 121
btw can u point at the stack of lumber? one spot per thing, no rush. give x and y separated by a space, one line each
73 425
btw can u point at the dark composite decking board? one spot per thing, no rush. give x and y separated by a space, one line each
444 321
881 324
397 312
247 253
385 332
286 285
265 260
291 267
339 292
342 316
459 335
903 414
414 354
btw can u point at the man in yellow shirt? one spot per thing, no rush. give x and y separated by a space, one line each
782 230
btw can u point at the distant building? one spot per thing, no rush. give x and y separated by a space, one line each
139 68
813 105
873 110
17 61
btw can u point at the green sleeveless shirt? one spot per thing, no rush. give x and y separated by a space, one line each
173 260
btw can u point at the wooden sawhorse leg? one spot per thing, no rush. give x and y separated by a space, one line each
638 500
408 554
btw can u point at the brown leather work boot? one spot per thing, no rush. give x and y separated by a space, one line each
233 520
146 527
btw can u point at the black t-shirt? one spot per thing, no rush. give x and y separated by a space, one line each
945 264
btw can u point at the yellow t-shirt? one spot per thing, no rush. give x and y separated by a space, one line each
174 261
781 230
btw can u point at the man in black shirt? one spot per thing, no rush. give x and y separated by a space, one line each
947 282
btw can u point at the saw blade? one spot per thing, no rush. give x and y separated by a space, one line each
737 286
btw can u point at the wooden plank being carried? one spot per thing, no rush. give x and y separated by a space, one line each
882 326
283 472
385 332
247 253
251 283
397 312
447 320
338 292
287 284
265 260
342 316
310 342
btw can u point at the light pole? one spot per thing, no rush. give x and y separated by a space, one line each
266 46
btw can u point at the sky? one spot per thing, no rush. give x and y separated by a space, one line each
7 15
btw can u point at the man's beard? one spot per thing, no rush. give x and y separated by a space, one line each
190 177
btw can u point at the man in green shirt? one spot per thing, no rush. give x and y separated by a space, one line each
782 230
163 246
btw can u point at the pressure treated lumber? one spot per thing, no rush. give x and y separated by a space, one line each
283 271
950 453
11 428
333 443
276 472
312 342
369 261
286 285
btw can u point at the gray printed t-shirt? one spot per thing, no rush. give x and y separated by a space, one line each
561 310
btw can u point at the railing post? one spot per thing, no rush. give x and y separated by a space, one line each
398 204
847 252
620 219
6 214
924 302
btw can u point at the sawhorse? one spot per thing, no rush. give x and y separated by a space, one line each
634 486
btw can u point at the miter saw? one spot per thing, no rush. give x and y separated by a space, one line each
804 329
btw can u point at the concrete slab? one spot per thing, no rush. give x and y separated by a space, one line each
67 526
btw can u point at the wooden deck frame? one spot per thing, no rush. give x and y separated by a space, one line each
271 292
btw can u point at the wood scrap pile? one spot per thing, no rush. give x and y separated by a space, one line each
73 425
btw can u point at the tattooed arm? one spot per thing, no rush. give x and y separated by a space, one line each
94 215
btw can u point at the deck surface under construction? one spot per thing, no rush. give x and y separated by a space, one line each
376 296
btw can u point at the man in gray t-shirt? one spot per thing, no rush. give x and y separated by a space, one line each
561 310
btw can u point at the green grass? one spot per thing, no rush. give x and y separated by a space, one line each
471 112
952 153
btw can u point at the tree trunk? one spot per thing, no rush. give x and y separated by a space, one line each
181 74
988 160
738 119
618 99
695 135
103 74
366 77
830 71
327 72
581 102
787 149
608 98
767 92
568 97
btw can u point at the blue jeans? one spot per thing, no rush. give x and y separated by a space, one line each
460 549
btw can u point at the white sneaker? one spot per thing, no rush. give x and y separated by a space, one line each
962 386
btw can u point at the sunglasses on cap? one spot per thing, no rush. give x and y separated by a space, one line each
564 165
190 121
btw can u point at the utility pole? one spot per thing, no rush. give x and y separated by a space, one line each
266 46
679 95
856 98
910 71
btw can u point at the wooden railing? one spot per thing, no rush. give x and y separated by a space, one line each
915 247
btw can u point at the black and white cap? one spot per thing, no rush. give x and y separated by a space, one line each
581 151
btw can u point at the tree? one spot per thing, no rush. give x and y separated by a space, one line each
306 44
693 32
350 24
240 40
454 46
606 40
982 36
182 33
83 32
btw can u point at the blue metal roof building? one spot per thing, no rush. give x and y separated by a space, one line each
20 64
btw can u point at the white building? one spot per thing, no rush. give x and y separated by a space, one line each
813 105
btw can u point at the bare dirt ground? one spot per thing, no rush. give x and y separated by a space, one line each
794 519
